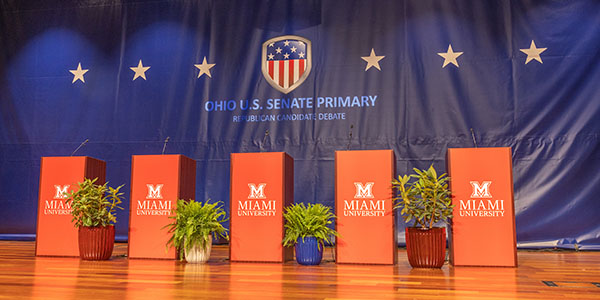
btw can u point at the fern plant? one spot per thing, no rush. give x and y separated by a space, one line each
304 221
94 204
194 222
424 201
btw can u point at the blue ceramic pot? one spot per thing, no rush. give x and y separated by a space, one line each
308 252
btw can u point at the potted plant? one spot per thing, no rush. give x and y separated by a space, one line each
306 228
193 227
424 202
93 209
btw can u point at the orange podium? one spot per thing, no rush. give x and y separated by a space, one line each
157 181
483 223
363 205
56 234
262 185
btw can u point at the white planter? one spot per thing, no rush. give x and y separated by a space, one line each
197 254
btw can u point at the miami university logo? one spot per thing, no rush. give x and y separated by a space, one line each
286 62
58 206
61 191
481 190
363 204
154 191
257 192
364 191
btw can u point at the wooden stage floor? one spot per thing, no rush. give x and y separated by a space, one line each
540 275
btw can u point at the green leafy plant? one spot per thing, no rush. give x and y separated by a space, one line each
94 204
425 200
304 221
194 222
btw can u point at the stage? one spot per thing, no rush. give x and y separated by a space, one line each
540 275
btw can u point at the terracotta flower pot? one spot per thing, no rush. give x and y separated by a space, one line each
197 254
96 243
426 248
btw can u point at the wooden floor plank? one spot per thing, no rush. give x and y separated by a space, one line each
540 275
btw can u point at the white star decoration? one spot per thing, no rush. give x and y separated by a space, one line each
372 60
78 73
271 56
204 68
450 56
533 53
140 71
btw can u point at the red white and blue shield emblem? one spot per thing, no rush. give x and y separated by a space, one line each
286 62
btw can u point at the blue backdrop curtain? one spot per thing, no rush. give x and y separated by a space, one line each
545 106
